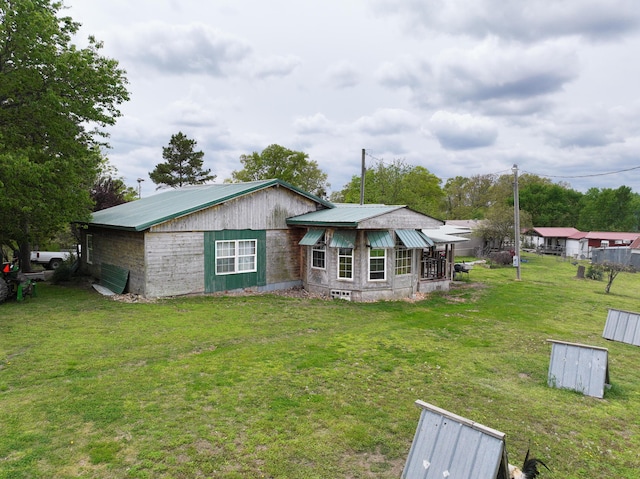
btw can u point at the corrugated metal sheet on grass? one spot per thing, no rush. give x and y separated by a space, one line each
452 447
623 326
578 367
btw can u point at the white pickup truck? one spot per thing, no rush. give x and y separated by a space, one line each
50 259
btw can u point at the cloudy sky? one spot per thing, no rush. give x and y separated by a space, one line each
460 87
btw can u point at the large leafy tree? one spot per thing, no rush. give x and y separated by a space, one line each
468 198
550 204
183 165
397 184
55 100
276 161
609 209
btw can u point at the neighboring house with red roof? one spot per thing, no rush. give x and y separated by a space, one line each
556 241
571 242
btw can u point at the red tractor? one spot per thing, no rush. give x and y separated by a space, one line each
14 283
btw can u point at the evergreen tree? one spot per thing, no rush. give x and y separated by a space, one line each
183 164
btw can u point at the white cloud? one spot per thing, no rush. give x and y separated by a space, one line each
342 75
387 121
457 131
183 49
512 19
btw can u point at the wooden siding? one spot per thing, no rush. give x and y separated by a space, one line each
122 248
263 210
174 264
283 257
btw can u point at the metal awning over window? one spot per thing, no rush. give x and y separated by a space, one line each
380 239
343 239
312 237
414 239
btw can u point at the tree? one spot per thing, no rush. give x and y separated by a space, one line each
397 184
183 165
468 198
609 210
55 100
276 161
498 226
612 269
550 204
109 189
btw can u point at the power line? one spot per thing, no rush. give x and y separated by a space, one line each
587 176
498 173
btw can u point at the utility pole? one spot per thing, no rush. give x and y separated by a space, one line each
140 180
516 217
362 172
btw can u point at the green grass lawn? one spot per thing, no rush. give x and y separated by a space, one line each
277 387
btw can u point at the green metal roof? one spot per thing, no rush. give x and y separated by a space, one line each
312 237
342 215
414 239
380 239
146 212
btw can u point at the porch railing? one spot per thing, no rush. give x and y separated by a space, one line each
434 268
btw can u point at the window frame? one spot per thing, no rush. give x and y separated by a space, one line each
89 248
377 259
343 259
404 255
320 248
238 256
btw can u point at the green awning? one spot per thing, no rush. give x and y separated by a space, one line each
380 239
312 237
414 239
343 239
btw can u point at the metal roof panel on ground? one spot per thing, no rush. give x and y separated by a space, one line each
146 212
345 215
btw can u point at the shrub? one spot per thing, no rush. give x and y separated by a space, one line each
502 258
595 272
64 272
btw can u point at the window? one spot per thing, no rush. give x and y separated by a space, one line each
404 258
377 264
237 256
89 249
345 263
319 254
